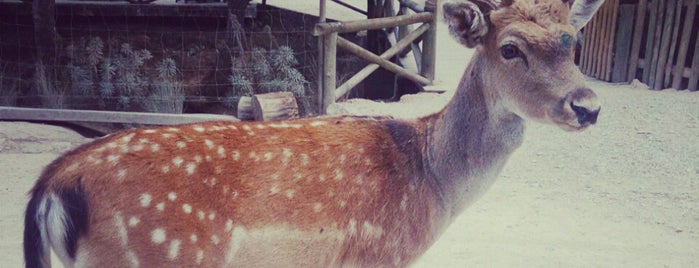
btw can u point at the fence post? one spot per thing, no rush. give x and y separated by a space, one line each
429 42
329 65
321 60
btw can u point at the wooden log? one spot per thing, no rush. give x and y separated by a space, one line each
623 43
330 71
636 40
275 106
371 57
648 54
245 109
364 73
370 24
664 44
414 6
684 44
673 45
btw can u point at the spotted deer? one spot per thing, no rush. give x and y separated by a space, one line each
320 192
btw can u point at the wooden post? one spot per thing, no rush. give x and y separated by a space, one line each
653 7
429 43
275 106
321 58
636 39
664 44
329 75
684 45
623 43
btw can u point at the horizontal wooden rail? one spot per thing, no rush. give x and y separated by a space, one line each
370 24
417 8
394 50
371 57
35 114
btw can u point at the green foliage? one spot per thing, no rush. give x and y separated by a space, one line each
262 71
167 96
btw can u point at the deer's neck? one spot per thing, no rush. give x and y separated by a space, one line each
469 141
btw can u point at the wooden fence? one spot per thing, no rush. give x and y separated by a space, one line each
329 41
654 41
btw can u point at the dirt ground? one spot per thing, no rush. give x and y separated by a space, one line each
623 193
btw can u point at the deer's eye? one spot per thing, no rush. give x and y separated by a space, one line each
510 51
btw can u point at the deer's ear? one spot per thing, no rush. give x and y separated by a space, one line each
581 11
468 20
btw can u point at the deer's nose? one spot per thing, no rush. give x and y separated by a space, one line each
586 115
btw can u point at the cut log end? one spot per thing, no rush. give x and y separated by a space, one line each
274 106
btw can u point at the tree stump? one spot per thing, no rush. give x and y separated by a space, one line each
245 109
275 106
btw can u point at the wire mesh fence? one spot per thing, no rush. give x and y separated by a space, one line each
116 56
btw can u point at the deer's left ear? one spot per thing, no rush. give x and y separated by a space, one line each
468 20
581 11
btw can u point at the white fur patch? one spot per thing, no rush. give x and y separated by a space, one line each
158 236
174 250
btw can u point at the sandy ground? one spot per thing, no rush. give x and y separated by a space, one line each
623 193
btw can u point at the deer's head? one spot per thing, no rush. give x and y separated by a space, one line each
528 48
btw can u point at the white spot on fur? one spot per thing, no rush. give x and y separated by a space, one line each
133 221
158 236
137 147
113 159
197 158
155 147
352 227
209 144
218 170
221 152
177 161
145 199
193 238
317 207
247 128
201 215
198 128
215 239
235 155
233 127
321 177
370 231
404 202
254 156
172 196
128 137
190 168
133 259
150 131
290 193
260 126
212 216
160 206
167 135
121 174
286 154
172 129
274 190
187 208
181 144
174 250
200 256
121 229
268 156
338 175
165 169
318 123
304 159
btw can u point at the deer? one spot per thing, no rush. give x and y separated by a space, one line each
330 191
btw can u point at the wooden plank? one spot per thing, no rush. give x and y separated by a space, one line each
684 44
623 43
665 43
590 44
329 75
35 114
674 39
371 24
610 40
604 23
636 39
650 33
656 43
371 57
692 85
366 71
322 17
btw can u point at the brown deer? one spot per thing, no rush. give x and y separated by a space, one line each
322 192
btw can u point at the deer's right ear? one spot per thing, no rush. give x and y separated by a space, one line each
468 20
